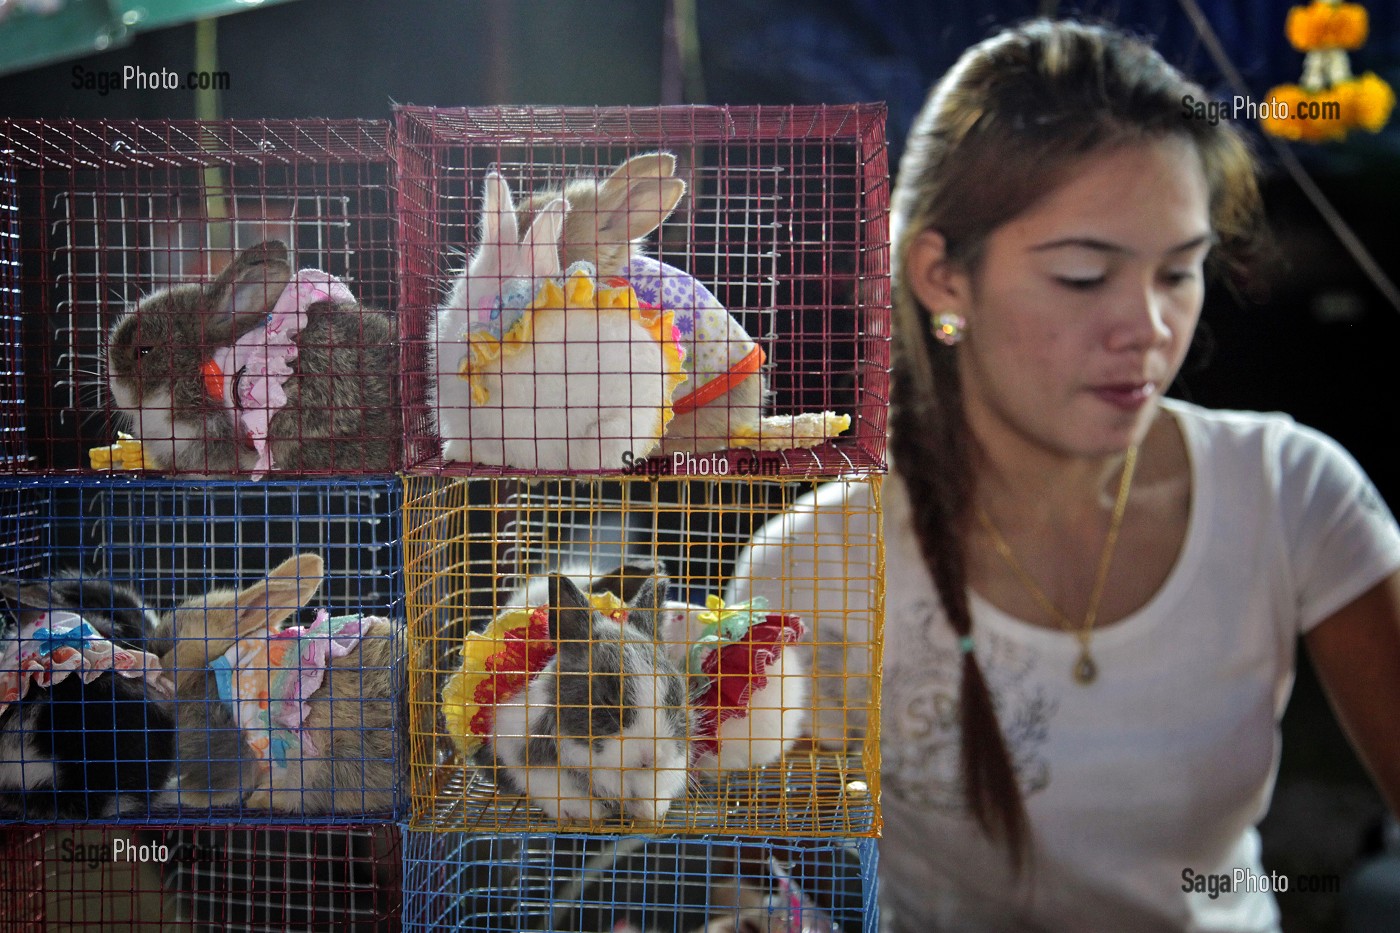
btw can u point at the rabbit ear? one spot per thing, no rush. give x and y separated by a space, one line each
542 239
638 197
644 609
499 226
206 626
249 286
570 613
26 601
627 579
289 586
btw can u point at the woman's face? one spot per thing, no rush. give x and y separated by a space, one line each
1082 308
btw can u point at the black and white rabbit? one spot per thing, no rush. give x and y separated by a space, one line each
76 750
602 731
166 363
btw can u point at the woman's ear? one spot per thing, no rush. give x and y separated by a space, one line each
940 284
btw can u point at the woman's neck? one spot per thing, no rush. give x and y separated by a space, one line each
1024 483
1054 512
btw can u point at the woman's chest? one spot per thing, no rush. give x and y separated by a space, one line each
1180 724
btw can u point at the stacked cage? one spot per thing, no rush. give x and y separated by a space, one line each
202 658
640 345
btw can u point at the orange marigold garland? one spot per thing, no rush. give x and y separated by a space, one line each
1328 102
1322 25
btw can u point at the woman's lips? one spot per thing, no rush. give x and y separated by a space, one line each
1126 396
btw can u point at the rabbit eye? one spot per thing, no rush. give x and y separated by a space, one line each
142 350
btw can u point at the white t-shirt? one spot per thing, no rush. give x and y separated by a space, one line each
1167 761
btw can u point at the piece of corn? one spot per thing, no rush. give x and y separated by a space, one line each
125 454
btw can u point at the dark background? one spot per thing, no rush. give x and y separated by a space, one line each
1308 334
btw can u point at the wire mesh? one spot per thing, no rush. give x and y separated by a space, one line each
247 880
600 884
12 446
179 651
532 708
772 270
105 216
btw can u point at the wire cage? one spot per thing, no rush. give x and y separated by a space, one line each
654 679
566 345
258 368
598 884
12 446
247 880
196 652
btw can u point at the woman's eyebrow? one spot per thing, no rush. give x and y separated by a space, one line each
1103 246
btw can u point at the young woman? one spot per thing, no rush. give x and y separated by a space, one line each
1094 594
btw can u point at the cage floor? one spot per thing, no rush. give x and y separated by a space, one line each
813 795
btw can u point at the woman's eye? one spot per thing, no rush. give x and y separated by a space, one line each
1179 276
1079 283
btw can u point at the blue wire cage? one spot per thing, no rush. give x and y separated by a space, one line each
570 882
170 739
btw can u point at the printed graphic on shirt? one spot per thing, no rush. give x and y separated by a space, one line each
920 751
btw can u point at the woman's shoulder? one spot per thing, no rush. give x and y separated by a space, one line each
1253 440
1229 422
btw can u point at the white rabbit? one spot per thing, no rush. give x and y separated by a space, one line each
778 713
722 401
575 389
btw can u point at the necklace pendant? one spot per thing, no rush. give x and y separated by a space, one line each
1085 670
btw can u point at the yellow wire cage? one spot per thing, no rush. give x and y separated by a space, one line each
611 655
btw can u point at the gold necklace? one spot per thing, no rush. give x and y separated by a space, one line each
1085 670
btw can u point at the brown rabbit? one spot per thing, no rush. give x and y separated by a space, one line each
341 411
344 756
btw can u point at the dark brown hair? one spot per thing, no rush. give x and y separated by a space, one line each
1005 126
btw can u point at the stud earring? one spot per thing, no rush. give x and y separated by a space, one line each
948 328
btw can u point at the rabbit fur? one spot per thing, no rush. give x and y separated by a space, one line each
602 730
76 750
607 224
590 386
341 413
353 718
779 711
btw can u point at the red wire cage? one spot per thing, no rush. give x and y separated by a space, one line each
101 217
779 215
294 879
